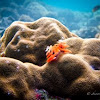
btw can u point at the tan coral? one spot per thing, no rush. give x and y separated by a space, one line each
14 78
71 74
78 73
27 41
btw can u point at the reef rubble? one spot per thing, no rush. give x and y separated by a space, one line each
24 68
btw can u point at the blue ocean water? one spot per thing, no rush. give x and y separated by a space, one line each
75 5
76 15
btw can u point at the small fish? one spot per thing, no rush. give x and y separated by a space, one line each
96 8
54 51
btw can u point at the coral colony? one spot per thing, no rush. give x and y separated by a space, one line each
40 59
69 66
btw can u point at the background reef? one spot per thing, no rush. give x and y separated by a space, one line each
84 24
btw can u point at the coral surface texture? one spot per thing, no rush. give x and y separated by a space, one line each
23 66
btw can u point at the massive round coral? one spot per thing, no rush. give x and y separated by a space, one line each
27 41
77 73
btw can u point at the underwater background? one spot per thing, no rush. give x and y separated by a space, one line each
76 15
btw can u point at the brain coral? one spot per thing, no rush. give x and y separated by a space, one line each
27 41
72 74
14 79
